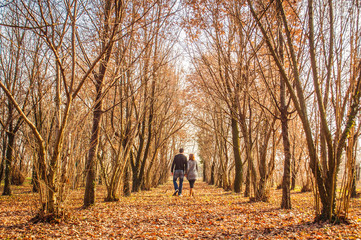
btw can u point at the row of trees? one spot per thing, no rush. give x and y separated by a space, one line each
90 92
278 84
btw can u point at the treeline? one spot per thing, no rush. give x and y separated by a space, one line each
90 94
277 85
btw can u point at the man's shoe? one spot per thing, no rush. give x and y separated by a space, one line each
180 195
176 192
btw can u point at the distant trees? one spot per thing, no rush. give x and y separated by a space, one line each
11 60
225 71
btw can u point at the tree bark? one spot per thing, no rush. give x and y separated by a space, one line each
293 174
238 178
247 190
212 180
205 179
264 168
9 159
353 187
89 196
286 181
2 166
136 166
286 184
34 177
126 180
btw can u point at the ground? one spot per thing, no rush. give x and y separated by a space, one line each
211 214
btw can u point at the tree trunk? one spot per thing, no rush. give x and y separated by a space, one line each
238 178
293 179
111 193
89 196
264 168
9 160
148 183
126 180
212 180
248 182
353 187
35 174
136 164
286 181
136 169
204 172
136 183
286 184
2 166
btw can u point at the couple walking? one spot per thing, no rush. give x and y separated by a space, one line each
180 168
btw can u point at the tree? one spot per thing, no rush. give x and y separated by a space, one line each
113 15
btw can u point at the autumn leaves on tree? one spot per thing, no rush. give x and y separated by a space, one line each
99 93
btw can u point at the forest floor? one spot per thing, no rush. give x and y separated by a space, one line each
211 214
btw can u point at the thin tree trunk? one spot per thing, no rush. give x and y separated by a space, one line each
286 181
264 168
353 187
247 190
2 166
9 159
204 172
126 180
293 177
238 178
212 181
89 196
286 184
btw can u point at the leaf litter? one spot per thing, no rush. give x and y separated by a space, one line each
156 214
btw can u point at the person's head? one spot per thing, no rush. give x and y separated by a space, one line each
181 150
191 156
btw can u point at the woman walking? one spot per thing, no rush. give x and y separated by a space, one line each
192 170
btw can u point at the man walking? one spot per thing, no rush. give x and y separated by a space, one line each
179 167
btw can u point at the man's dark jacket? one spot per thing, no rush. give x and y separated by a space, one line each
179 163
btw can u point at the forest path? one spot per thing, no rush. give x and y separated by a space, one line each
156 214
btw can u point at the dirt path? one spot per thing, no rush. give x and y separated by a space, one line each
211 214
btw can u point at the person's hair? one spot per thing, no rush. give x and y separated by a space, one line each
191 156
181 150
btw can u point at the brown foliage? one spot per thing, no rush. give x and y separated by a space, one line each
212 213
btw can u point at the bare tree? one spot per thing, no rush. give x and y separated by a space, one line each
113 12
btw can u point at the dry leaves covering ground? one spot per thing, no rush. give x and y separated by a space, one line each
211 214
